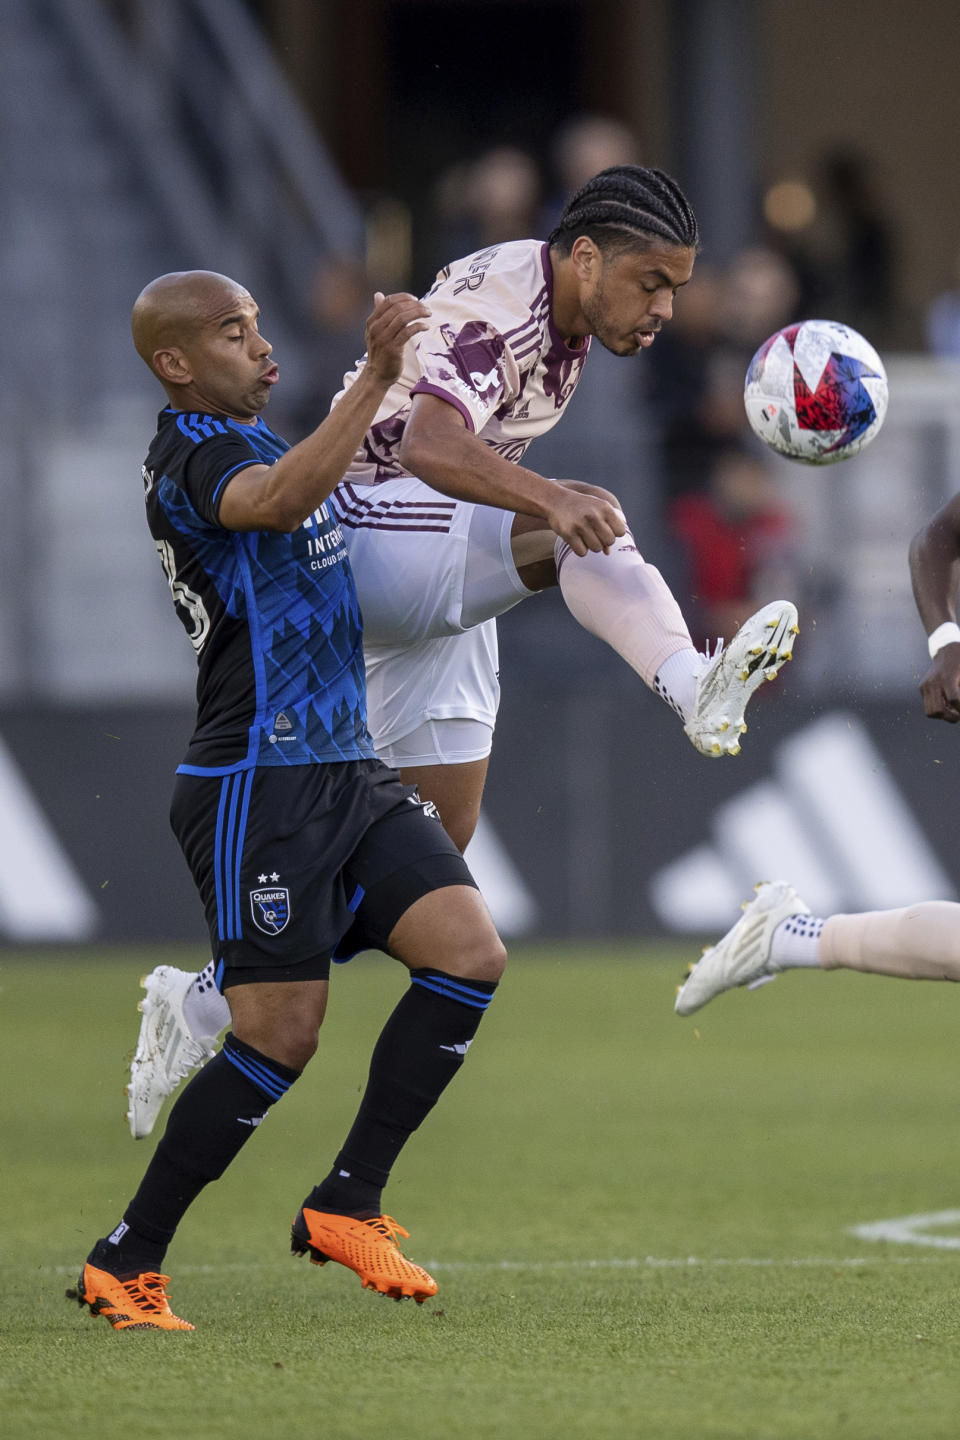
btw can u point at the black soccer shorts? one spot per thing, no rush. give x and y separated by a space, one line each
297 865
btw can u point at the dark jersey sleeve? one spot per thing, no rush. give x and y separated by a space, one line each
208 469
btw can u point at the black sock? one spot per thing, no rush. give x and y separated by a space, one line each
209 1125
420 1049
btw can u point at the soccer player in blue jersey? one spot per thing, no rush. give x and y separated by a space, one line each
301 842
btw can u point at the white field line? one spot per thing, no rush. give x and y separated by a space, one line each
913 1230
903 1230
637 1262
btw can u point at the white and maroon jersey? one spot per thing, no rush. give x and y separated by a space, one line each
492 350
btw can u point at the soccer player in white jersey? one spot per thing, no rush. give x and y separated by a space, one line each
777 932
447 529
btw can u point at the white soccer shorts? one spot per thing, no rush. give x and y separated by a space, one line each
432 574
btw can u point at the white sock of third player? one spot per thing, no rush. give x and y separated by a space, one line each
204 1008
795 944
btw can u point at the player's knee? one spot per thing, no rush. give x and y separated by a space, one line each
496 962
486 960
290 1037
292 1044
300 1046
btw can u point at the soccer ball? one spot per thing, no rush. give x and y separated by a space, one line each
816 392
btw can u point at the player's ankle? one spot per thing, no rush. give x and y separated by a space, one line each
344 1194
676 680
795 944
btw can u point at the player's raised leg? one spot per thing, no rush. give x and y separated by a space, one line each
625 601
777 932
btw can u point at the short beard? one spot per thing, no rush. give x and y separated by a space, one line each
593 314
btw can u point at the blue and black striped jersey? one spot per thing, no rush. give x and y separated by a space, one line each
273 618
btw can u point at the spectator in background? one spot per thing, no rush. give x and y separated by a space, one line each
486 201
583 146
758 296
337 305
858 274
699 368
503 195
942 325
737 541
842 246
678 382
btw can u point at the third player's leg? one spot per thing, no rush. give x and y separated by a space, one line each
457 792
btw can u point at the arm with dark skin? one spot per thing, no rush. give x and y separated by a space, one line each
281 496
438 448
935 573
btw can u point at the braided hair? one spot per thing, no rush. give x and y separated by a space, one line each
624 208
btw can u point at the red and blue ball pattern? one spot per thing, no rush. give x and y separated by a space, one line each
816 392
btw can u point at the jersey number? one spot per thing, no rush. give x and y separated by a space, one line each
187 601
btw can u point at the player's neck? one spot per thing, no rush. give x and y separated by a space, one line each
568 318
190 401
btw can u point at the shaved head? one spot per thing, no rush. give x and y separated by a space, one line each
199 333
173 309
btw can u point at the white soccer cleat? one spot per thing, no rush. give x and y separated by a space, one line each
742 957
761 646
167 1050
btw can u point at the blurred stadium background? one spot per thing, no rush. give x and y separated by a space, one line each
317 149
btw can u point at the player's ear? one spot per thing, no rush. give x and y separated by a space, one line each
170 365
585 256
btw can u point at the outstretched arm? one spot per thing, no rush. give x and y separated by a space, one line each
438 448
281 496
935 573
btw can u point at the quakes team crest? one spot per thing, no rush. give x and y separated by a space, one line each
270 909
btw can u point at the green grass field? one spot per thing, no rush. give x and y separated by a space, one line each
640 1225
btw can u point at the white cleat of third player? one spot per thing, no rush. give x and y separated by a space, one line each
758 651
743 956
166 1051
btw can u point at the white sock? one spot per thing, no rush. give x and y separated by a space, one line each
795 944
676 680
627 603
204 1008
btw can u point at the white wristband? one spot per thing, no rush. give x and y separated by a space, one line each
946 634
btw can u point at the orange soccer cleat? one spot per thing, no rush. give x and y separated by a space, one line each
367 1246
137 1303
